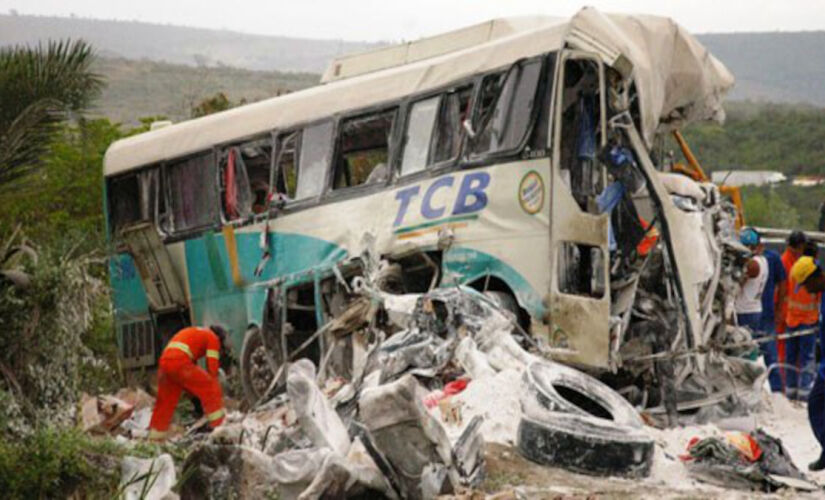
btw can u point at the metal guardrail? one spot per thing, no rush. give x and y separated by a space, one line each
708 348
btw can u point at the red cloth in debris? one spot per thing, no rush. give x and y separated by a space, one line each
744 443
431 400
231 191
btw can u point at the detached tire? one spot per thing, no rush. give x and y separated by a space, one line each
257 368
572 420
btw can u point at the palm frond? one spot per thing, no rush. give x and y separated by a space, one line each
39 88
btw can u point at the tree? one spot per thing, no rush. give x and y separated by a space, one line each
217 103
766 208
40 88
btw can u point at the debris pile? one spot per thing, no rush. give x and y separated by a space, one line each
405 402
395 420
751 461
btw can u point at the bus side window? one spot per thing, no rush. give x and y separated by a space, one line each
132 198
363 154
581 270
506 108
420 125
313 161
580 112
449 131
245 179
193 192
286 166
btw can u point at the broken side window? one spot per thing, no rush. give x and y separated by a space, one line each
505 109
124 201
314 159
257 156
449 130
539 136
236 196
245 179
287 165
193 192
364 147
581 270
419 135
580 128
132 198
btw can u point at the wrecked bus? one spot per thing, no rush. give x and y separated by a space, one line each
520 157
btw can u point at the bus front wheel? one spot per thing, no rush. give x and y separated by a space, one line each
257 370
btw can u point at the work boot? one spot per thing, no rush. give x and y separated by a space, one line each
819 464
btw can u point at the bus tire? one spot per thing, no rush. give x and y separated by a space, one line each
566 440
572 420
255 365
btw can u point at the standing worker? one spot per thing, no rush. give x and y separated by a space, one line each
802 313
772 295
796 245
178 371
810 276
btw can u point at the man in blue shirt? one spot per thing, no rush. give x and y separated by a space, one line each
806 272
772 298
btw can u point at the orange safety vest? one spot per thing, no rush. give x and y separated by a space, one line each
802 307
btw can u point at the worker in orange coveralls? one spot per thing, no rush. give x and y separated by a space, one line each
178 371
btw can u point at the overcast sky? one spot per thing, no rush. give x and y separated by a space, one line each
393 20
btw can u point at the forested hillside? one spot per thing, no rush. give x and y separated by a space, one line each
779 67
758 136
790 139
136 89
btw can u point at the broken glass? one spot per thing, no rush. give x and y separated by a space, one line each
314 158
506 108
132 198
124 196
286 164
364 150
193 192
419 134
449 130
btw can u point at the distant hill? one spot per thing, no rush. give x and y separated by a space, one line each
136 89
181 45
781 67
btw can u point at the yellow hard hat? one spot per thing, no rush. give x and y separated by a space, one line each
802 269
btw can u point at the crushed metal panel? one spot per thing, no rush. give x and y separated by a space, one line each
160 279
681 245
579 326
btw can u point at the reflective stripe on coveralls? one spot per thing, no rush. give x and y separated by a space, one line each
182 374
183 347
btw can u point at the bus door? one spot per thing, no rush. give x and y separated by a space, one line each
160 281
578 302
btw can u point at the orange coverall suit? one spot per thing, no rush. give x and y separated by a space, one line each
178 371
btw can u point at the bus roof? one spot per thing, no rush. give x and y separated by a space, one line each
691 87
